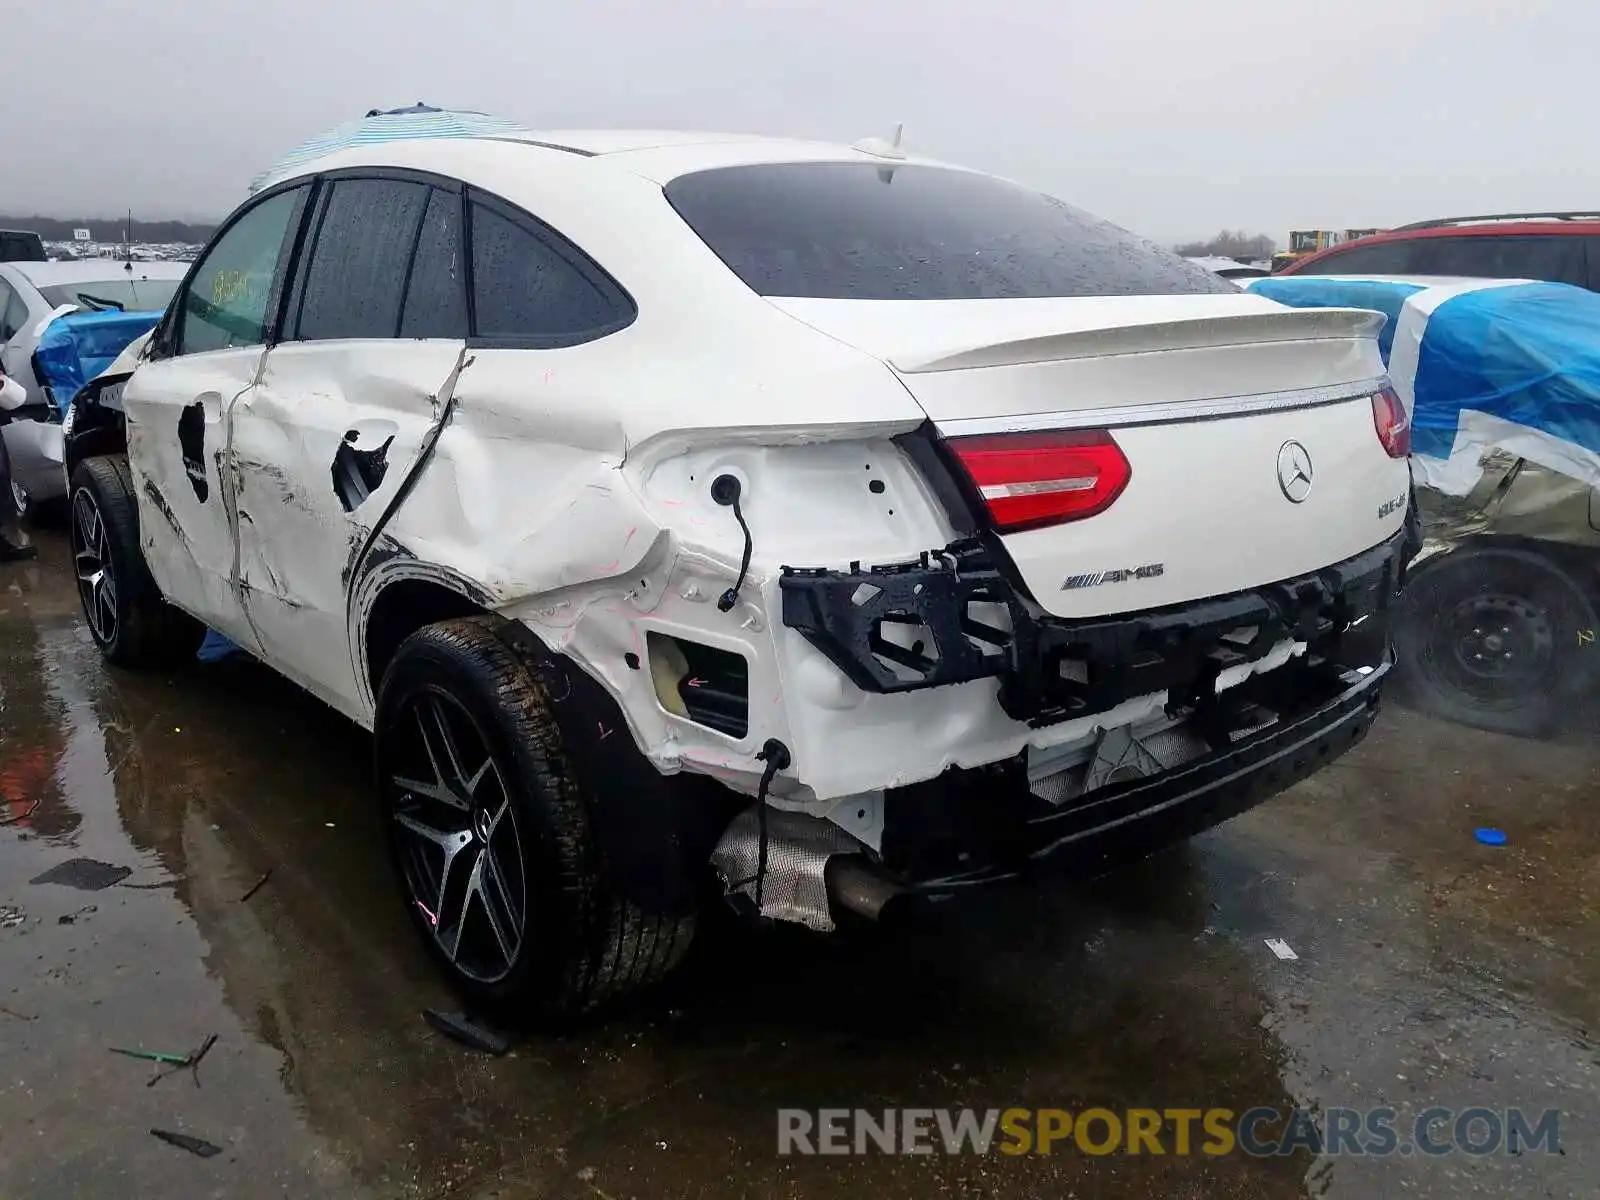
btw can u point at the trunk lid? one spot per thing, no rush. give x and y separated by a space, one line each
1205 395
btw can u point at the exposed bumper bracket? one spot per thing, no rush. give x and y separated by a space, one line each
1052 669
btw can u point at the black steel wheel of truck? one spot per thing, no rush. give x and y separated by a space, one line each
489 831
129 620
1499 638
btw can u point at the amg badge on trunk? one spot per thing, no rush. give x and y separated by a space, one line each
1121 575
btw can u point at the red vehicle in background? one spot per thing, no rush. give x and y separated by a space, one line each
1553 247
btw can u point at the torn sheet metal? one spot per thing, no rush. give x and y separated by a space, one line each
185 491
1514 498
323 447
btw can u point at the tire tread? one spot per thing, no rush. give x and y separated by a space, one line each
604 947
151 631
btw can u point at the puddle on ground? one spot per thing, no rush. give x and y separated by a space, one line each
1424 972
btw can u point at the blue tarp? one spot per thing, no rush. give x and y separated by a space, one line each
1528 354
1387 298
1481 364
73 349
400 124
215 647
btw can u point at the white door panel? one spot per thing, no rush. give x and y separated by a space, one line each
321 446
207 354
177 447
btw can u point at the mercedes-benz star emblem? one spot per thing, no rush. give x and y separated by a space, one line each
1294 472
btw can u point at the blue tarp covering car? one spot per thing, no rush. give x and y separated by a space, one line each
1481 364
1496 625
76 347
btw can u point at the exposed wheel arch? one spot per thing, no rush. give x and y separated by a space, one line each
98 429
654 832
399 610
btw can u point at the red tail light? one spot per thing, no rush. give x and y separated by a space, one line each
1032 479
1393 424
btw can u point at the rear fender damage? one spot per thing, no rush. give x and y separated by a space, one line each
607 563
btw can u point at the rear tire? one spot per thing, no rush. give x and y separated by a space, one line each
1496 638
489 832
126 614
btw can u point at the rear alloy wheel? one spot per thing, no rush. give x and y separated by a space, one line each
1497 639
126 615
488 828
460 852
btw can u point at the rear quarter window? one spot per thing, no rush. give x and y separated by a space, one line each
866 231
532 288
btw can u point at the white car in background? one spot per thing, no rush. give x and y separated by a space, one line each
1230 268
816 523
31 295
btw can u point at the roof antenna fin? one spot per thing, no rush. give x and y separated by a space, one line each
882 148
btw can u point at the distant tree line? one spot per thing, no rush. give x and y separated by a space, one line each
110 229
1232 243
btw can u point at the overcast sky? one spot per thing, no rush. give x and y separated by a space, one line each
1172 118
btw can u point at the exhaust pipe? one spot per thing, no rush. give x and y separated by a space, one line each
814 869
856 886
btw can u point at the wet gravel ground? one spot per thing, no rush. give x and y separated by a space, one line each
1431 970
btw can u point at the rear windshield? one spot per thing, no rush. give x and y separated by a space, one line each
133 295
860 231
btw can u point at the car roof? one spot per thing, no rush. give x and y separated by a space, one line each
94 270
621 141
658 155
1548 226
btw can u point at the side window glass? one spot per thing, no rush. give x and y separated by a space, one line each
1558 259
436 296
1386 258
1456 256
226 301
357 277
9 320
522 288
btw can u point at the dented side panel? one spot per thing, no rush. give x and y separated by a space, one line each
177 417
1513 498
822 496
320 448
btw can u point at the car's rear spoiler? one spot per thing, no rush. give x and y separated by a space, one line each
1186 333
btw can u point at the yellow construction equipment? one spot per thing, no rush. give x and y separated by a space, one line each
1308 241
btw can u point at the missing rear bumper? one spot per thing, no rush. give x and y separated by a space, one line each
970 828
1014 828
